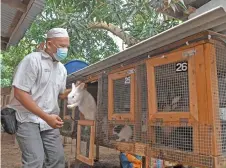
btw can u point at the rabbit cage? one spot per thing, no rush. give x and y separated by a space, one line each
169 103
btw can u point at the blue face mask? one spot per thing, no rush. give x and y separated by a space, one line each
60 54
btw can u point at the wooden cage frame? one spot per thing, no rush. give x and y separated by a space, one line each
177 56
118 75
90 159
203 109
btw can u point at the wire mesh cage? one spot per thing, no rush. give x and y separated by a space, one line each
172 88
85 140
171 107
122 93
218 55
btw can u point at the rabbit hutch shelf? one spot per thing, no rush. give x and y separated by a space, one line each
165 101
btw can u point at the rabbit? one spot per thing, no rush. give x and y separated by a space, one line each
123 132
81 98
173 105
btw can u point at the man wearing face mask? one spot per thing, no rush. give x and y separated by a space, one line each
39 81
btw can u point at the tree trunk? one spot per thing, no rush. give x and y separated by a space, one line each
128 39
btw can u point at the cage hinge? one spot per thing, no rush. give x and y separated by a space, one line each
159 121
131 71
189 53
184 121
113 120
127 120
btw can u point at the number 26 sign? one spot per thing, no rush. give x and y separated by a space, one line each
181 67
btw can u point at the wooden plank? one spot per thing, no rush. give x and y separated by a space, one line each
78 141
192 81
110 97
201 85
132 96
152 97
99 111
201 138
140 149
91 146
65 109
124 147
91 79
85 159
137 132
212 96
172 116
15 4
86 122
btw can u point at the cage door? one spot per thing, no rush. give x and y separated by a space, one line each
171 86
85 141
121 95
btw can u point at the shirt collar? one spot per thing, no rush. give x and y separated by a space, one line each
46 55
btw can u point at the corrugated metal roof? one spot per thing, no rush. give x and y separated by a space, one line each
214 20
7 15
14 22
34 8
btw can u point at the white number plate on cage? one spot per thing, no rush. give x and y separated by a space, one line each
181 67
127 80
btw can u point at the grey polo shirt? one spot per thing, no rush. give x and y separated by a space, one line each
44 79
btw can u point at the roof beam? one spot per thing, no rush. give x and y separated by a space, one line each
15 4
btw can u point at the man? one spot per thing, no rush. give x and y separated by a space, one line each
38 82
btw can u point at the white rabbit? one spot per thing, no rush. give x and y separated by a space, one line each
123 133
173 105
80 97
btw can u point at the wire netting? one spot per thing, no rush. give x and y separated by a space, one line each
171 88
219 86
181 141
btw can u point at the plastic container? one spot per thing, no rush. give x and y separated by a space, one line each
75 65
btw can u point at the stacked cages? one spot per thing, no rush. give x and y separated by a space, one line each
170 107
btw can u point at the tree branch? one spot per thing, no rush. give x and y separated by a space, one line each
128 39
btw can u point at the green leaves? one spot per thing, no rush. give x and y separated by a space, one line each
137 19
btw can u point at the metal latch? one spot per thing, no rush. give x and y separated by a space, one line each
131 71
189 53
184 121
159 121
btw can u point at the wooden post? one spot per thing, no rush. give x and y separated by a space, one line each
211 75
99 111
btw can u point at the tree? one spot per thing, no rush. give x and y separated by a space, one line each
89 24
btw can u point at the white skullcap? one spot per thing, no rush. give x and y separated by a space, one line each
57 32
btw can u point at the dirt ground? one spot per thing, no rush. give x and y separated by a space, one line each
11 155
10 152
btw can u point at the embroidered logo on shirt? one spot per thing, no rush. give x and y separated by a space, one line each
47 70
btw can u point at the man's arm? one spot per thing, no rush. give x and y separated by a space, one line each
26 100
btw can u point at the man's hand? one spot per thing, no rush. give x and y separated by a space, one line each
54 121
